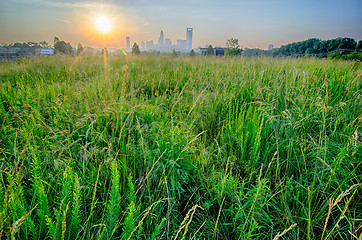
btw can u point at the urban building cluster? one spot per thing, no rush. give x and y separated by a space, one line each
24 52
165 44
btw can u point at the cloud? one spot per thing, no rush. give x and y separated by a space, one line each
64 4
62 20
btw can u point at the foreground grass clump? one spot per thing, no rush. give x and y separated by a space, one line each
180 148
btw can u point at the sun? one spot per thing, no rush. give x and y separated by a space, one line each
103 24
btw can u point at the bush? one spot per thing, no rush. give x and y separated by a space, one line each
334 56
353 56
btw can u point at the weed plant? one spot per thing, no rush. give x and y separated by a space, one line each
180 148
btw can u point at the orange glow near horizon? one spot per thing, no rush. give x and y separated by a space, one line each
102 27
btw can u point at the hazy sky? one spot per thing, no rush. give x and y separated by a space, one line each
256 23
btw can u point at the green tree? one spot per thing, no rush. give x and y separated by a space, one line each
174 53
333 44
347 43
104 51
192 53
56 39
210 50
44 44
61 47
79 49
334 56
253 52
27 45
232 47
136 49
359 46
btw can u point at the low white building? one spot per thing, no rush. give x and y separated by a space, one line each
46 51
217 51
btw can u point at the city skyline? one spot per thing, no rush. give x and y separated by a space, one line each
165 44
255 23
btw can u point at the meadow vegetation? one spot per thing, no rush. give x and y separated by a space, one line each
180 148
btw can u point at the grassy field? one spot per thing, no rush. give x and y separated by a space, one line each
180 148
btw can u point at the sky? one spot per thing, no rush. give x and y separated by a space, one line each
256 23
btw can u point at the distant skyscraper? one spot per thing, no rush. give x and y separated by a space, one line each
189 39
150 44
161 40
168 42
143 45
182 45
270 47
128 43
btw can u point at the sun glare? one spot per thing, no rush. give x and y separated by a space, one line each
103 24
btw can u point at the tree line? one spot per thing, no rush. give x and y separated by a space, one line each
62 47
59 46
41 44
313 47
345 48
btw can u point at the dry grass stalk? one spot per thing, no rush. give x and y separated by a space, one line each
359 232
143 218
94 195
1 226
199 229
64 223
149 172
17 224
355 138
285 231
218 217
326 164
269 165
189 216
334 203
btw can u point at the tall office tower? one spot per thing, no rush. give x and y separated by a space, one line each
143 45
182 45
161 40
128 43
188 39
168 42
150 44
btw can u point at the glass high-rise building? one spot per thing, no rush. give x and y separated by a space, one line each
128 43
189 39
161 40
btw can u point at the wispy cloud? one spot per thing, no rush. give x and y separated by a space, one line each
63 4
62 20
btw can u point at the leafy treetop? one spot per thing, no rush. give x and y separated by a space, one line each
232 47
136 49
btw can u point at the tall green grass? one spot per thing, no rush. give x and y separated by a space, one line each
180 148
